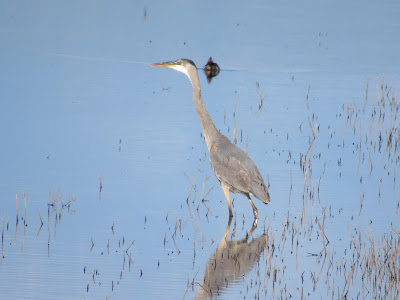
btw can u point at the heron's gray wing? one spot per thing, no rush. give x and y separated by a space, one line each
235 168
231 165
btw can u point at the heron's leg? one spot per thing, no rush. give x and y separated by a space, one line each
228 198
255 211
255 223
224 239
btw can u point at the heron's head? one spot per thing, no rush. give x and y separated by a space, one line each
182 65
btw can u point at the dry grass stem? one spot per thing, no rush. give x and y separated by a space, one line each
234 139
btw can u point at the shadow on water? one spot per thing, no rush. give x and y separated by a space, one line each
231 261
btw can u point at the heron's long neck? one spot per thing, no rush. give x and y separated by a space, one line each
209 129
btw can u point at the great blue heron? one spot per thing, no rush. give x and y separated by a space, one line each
234 169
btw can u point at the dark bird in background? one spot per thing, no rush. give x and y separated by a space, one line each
211 69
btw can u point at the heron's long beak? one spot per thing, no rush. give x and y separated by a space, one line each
165 64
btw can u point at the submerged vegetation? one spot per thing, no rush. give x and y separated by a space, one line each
309 248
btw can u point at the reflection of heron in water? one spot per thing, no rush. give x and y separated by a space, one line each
211 69
230 262
234 169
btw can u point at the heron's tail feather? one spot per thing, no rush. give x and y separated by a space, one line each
266 199
261 192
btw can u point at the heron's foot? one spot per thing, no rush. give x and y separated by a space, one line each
255 223
255 212
230 214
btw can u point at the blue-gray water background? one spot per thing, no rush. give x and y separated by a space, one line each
105 149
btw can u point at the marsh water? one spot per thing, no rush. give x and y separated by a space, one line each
106 190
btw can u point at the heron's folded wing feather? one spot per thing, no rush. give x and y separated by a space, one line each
227 164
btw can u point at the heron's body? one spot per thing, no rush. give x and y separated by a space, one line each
234 169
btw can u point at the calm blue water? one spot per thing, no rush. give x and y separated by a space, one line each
114 146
